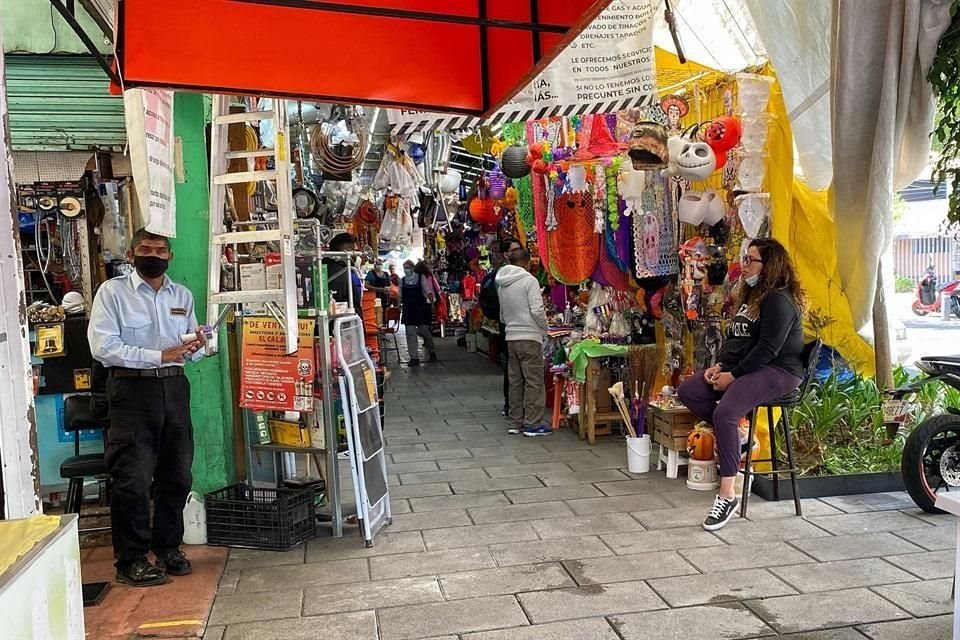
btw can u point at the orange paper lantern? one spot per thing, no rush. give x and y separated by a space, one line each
482 211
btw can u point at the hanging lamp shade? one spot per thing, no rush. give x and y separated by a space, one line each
514 162
498 184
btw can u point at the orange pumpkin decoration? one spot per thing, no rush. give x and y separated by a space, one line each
700 442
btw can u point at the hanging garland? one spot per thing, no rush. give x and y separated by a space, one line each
515 132
613 208
944 76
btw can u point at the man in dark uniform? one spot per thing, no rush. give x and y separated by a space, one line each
143 328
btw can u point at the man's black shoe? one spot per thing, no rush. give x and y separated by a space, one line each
141 574
174 563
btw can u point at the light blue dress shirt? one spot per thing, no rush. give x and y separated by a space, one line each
131 324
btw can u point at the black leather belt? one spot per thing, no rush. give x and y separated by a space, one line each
162 372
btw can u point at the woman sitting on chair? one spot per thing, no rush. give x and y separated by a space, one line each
761 361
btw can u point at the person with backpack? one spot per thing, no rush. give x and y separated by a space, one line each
522 311
489 301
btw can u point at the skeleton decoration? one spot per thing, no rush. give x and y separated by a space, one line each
647 146
693 257
689 157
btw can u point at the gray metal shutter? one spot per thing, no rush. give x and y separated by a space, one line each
62 103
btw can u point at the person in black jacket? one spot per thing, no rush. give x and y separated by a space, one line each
761 361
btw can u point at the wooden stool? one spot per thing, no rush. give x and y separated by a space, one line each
595 404
674 461
811 354
557 400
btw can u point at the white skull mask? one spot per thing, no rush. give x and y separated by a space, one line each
696 161
689 157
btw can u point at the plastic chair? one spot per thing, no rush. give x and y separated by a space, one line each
392 317
811 354
78 467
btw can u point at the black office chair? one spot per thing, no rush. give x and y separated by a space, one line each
77 416
811 354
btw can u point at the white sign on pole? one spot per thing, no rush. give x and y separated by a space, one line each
149 116
608 67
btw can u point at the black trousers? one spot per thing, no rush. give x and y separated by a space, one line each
149 453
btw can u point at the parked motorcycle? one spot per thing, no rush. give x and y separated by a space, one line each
929 296
931 454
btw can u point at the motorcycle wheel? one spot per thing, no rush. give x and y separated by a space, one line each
918 309
920 466
955 305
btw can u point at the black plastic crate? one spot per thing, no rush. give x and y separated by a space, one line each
252 518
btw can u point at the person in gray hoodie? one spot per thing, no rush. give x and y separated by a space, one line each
525 319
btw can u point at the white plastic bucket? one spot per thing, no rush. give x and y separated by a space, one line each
194 520
638 454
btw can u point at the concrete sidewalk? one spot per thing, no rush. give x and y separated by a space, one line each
501 537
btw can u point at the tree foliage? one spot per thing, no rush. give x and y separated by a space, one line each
944 76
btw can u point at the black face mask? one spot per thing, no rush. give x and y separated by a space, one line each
150 266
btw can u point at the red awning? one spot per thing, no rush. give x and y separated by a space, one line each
463 56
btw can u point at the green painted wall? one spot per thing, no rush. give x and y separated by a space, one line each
213 465
34 26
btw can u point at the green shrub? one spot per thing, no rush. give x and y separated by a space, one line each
905 284
838 427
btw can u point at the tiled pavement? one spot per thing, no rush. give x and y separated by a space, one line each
500 537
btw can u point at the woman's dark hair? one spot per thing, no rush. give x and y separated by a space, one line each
423 269
778 273
408 263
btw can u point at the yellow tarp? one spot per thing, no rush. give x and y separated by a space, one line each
802 221
18 537
800 218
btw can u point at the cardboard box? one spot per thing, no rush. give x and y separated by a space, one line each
274 276
253 277
291 434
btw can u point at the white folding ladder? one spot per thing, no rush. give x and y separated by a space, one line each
282 302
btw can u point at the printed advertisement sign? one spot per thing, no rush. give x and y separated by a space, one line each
608 67
271 380
149 117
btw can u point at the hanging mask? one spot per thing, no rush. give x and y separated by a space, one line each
695 159
753 209
577 178
723 134
715 209
647 146
716 265
692 208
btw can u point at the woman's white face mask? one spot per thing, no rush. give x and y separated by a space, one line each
752 280
407 271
